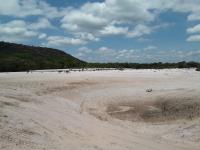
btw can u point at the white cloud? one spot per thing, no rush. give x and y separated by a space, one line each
182 6
106 51
120 11
139 30
195 29
49 11
111 17
178 55
19 30
105 54
194 16
81 21
150 48
115 17
42 36
126 54
113 30
84 50
94 20
16 30
24 8
42 23
86 36
128 17
193 53
193 38
63 41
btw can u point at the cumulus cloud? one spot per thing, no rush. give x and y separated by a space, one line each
63 41
178 55
42 36
113 30
24 8
139 30
80 21
94 20
128 17
193 38
111 17
195 29
193 53
84 50
120 11
16 30
105 51
194 16
106 54
19 30
42 23
86 36
150 48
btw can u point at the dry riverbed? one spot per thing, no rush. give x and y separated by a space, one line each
102 110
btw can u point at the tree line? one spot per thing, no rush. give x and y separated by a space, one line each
158 65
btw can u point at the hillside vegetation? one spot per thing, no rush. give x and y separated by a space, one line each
17 57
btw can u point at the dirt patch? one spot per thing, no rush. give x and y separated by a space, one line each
12 104
158 110
23 139
67 87
20 98
173 109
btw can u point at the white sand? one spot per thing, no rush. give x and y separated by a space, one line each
59 111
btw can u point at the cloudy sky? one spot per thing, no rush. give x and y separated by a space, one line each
107 30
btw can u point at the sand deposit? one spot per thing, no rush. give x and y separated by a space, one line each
102 110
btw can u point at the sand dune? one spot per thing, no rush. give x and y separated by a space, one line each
104 110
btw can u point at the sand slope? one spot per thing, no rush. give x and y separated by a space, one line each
106 110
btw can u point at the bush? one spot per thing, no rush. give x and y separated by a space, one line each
198 69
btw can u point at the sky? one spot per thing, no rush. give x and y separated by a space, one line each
142 31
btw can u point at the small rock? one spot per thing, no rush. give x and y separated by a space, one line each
149 90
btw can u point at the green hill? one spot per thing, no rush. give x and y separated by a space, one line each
17 57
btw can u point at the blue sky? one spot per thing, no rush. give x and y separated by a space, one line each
107 30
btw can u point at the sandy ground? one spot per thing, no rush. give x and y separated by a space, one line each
104 110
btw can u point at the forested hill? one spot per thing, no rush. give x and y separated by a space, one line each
17 57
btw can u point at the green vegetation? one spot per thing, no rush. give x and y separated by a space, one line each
158 65
17 57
